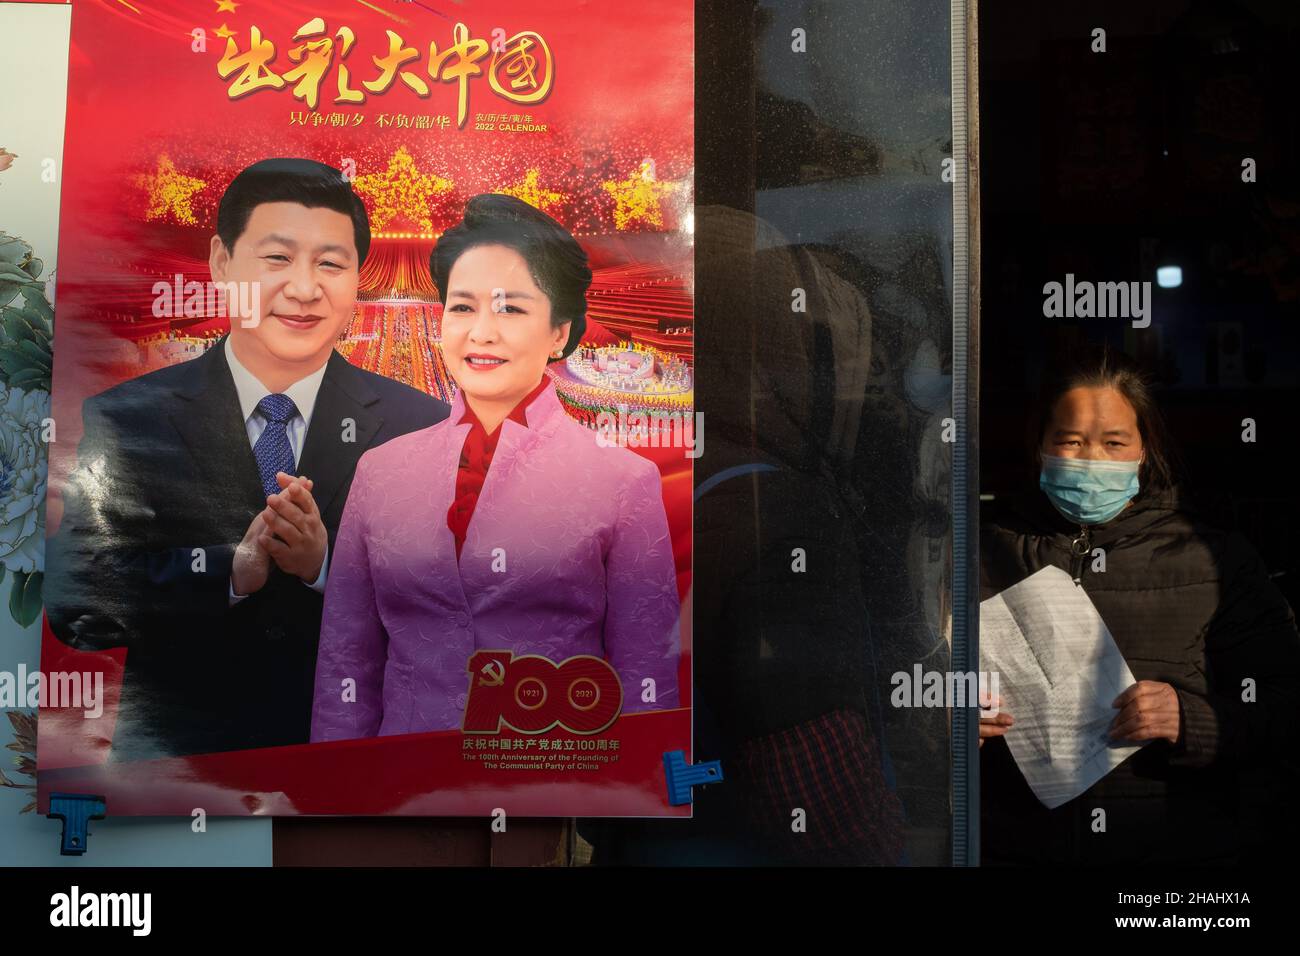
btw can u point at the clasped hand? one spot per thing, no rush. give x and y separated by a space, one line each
289 532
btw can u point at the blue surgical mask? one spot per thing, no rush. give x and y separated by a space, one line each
924 384
1089 491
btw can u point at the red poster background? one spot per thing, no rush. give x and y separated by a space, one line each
146 107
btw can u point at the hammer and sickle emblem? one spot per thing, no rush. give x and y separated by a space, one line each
492 674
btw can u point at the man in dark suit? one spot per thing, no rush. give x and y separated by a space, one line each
198 524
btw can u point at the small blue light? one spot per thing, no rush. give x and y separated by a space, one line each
1169 277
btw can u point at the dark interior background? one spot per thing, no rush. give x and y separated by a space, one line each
818 169
1108 165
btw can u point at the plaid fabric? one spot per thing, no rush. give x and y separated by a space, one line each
830 767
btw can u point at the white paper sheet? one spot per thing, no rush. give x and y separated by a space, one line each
1058 671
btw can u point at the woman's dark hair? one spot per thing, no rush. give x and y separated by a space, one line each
1104 367
555 260
302 181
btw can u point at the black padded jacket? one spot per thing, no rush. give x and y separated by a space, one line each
1190 605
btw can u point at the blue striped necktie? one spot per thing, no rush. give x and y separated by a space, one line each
272 449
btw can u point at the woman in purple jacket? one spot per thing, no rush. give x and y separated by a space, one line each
506 526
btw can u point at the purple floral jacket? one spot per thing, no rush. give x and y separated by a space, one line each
567 553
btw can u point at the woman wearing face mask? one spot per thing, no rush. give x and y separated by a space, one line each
506 526
1211 642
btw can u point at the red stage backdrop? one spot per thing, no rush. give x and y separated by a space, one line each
581 108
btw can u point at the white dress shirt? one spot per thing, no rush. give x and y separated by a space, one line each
303 392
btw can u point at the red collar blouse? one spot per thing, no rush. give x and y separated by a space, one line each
475 459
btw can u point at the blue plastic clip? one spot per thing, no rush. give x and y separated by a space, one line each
681 776
75 810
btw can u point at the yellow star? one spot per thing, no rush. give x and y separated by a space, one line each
530 191
401 192
227 6
224 32
637 198
169 193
